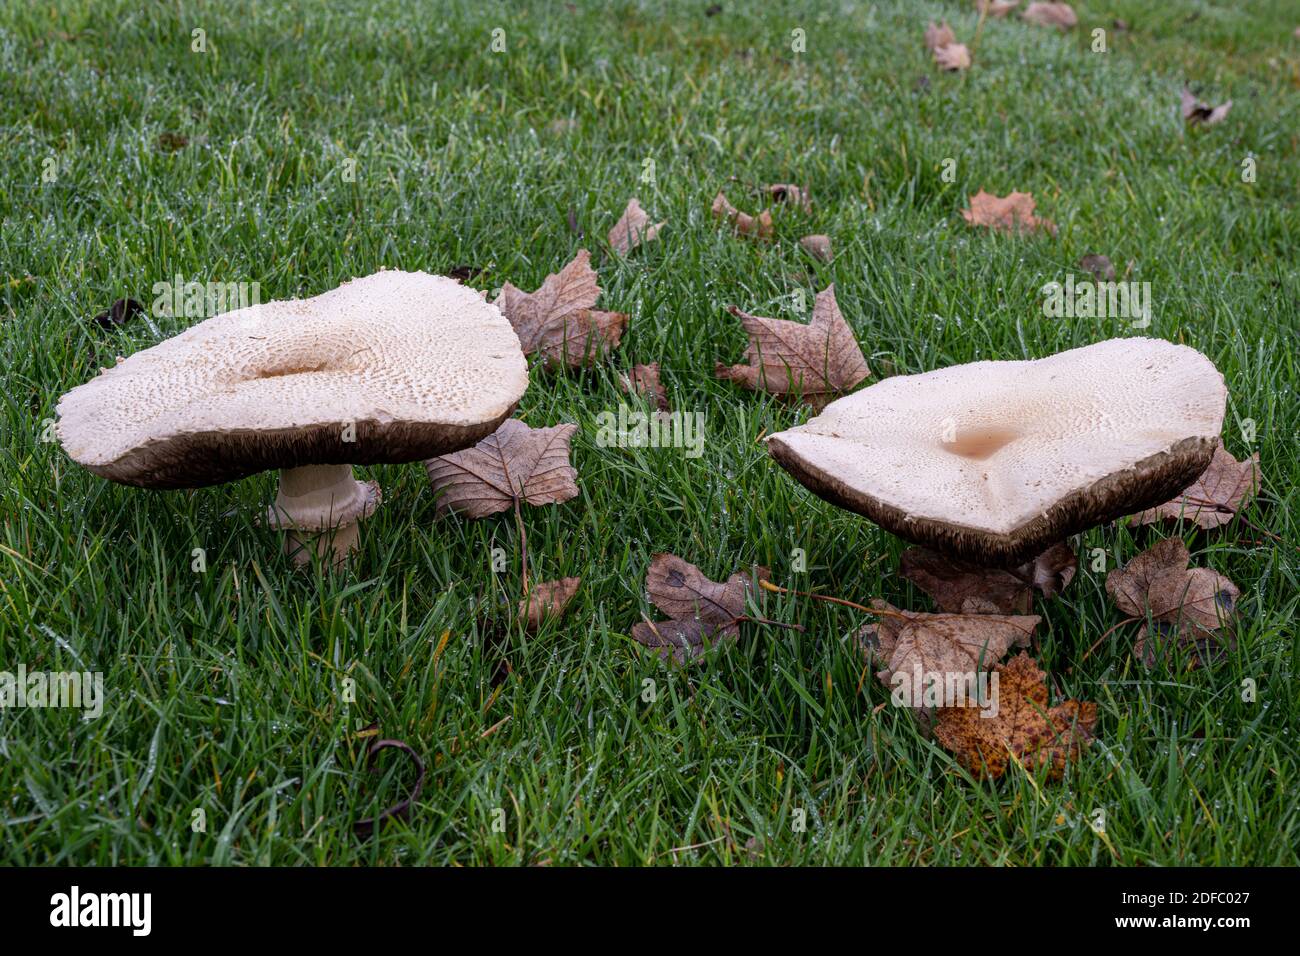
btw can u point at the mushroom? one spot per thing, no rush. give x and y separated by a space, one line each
393 367
993 462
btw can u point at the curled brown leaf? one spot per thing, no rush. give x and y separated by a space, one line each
643 380
547 600
756 227
632 229
1060 15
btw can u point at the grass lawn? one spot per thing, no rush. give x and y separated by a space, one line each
225 688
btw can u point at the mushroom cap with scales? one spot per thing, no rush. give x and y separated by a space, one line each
995 461
393 367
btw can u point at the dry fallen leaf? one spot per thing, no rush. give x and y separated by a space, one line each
996 8
791 194
1194 111
632 229
644 380
1050 15
701 611
818 361
963 587
1100 267
1195 606
547 599
531 464
937 35
947 52
559 321
912 643
1213 499
952 56
818 246
1023 727
758 227
1013 213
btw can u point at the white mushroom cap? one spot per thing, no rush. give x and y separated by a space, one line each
995 461
417 365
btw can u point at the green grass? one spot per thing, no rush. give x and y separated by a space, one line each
225 688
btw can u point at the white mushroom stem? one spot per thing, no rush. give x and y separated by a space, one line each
318 507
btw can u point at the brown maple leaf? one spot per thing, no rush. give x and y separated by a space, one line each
818 246
1013 213
701 611
818 361
996 8
938 35
1050 15
967 588
1024 727
547 599
514 462
917 645
643 380
1214 498
1194 111
559 321
632 229
791 194
952 57
758 227
1194 607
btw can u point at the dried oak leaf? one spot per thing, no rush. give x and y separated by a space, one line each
559 321
644 380
996 8
119 313
515 461
1194 111
790 194
952 57
1100 267
1023 726
938 35
632 229
1213 499
909 642
701 611
1050 15
818 361
1013 213
547 599
818 246
1194 606
758 227
960 586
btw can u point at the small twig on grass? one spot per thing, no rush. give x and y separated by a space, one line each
1109 632
762 620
